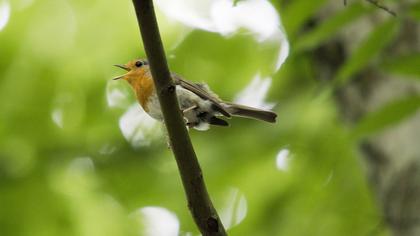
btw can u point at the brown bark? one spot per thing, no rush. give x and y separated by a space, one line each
199 203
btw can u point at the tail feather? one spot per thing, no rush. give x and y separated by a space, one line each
250 112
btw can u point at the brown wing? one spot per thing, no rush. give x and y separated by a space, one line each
201 93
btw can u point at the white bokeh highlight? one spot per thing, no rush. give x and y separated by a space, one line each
258 17
58 112
115 95
254 93
138 127
4 14
222 16
282 159
284 48
81 164
57 117
156 221
235 208
107 149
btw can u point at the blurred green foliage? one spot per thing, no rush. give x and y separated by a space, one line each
66 169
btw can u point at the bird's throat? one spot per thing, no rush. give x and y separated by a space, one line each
144 89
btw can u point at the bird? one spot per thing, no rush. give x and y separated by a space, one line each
200 106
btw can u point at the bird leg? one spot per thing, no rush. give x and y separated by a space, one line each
191 125
189 109
187 122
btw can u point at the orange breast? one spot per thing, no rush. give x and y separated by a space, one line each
145 88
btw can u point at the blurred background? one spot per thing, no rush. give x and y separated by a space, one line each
78 156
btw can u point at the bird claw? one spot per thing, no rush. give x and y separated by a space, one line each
191 125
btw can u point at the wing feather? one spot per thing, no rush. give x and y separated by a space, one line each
199 90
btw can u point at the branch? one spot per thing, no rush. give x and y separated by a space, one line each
199 203
385 8
378 5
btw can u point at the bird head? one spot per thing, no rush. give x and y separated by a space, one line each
136 69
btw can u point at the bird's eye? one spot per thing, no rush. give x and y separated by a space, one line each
139 63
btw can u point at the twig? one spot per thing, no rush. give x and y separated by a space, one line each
378 5
199 203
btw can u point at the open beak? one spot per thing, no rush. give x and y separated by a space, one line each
122 67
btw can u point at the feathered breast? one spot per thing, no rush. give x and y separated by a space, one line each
145 88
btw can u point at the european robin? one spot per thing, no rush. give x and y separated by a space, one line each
200 106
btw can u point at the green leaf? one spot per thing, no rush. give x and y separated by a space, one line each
297 12
406 65
369 48
330 27
236 2
390 114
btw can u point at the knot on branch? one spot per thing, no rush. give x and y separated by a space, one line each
212 225
167 90
170 89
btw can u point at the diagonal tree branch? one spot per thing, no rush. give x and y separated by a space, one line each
378 5
199 203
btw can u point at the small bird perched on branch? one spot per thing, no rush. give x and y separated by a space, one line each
200 106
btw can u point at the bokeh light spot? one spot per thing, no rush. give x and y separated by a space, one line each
107 149
81 165
258 17
4 14
57 117
255 93
156 221
138 127
282 159
235 208
115 95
